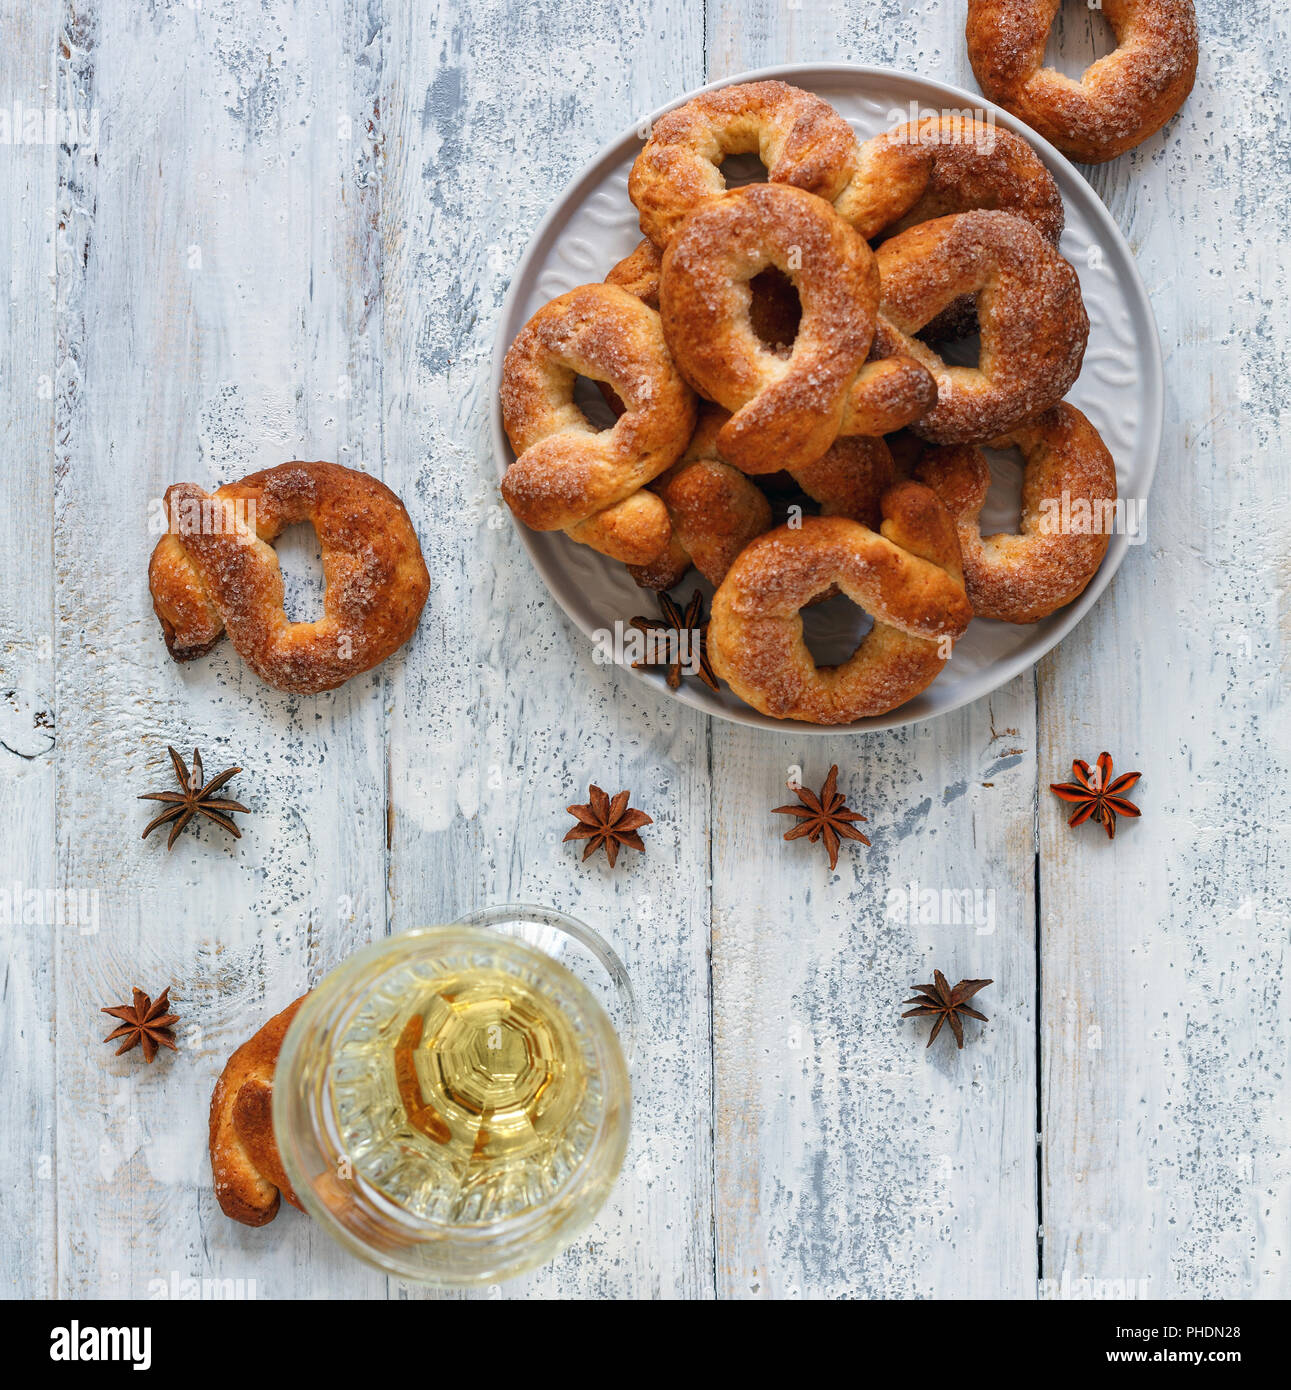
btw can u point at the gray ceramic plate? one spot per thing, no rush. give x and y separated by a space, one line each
593 225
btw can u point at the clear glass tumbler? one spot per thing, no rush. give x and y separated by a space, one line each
452 1104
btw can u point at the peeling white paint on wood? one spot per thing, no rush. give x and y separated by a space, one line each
291 240
1166 1093
27 704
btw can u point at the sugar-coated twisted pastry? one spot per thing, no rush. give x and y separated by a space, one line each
786 410
1118 101
1032 319
215 571
945 164
908 578
1068 500
567 475
802 141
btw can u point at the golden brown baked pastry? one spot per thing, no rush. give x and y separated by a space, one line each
850 479
774 310
638 273
1032 319
786 410
1068 495
801 140
943 164
908 578
714 509
567 475
215 572
247 1168
1118 102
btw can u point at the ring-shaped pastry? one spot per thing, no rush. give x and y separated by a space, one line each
945 164
1117 102
1032 319
907 578
786 409
801 140
215 571
1068 507
567 474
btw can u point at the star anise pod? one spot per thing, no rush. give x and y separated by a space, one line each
823 817
675 621
606 823
196 797
1096 796
144 1022
946 1003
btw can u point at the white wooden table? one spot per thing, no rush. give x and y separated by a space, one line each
290 239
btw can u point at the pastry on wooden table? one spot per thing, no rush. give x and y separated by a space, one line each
1117 102
215 572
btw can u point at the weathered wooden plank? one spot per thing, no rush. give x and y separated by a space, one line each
1163 1009
31 892
850 1161
503 719
215 286
357 183
927 40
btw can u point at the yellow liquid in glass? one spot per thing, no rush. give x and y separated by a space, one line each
465 1098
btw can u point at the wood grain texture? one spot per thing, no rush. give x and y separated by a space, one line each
291 237
215 319
509 722
36 905
1164 1019
850 1160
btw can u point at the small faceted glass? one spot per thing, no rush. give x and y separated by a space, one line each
452 1104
